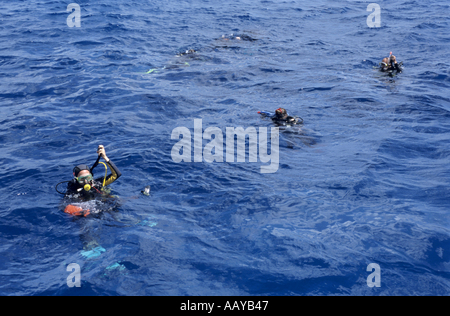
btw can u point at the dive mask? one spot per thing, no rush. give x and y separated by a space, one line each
82 180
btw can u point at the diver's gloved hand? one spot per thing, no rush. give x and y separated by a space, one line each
393 62
101 152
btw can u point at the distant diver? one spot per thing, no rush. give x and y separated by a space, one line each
292 127
281 118
189 54
389 64
84 187
242 37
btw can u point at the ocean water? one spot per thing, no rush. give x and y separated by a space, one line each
365 181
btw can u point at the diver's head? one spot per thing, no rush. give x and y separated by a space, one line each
385 60
82 174
281 113
80 168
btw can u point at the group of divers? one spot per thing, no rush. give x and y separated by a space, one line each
83 186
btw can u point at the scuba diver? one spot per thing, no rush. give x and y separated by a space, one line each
187 52
292 127
83 181
86 195
390 64
231 41
242 37
84 187
186 55
281 118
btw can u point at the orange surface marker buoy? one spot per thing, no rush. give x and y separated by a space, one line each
76 210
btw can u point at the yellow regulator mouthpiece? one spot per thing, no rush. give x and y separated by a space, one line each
87 187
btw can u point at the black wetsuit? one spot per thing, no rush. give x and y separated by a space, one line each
287 120
247 38
74 189
389 67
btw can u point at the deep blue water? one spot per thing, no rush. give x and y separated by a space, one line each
367 181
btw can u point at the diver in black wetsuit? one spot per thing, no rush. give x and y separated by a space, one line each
84 185
242 37
186 55
187 52
281 118
292 127
390 64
